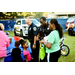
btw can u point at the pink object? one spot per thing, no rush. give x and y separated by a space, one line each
4 43
28 55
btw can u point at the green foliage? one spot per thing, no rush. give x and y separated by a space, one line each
38 14
6 15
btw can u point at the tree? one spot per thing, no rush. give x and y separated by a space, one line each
6 14
12 13
38 14
46 14
26 14
1 14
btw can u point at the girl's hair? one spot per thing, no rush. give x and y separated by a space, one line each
23 42
58 27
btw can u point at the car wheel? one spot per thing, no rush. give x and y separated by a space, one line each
21 33
70 33
15 32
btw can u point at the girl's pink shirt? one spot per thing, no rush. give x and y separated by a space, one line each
4 43
28 55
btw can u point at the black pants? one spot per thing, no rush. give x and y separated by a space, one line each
54 56
35 52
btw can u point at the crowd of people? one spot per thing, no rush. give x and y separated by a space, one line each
52 30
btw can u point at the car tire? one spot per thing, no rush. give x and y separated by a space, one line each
15 32
21 33
70 33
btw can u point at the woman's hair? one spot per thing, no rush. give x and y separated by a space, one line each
1 26
58 27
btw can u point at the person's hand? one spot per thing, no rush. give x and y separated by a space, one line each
32 58
34 46
42 41
26 60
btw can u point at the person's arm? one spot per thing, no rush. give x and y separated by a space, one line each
47 44
38 36
35 32
26 58
7 45
50 41
35 39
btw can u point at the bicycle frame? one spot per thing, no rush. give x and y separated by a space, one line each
64 48
61 43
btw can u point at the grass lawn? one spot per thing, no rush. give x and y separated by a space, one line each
70 41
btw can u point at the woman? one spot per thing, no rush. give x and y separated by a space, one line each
52 44
4 42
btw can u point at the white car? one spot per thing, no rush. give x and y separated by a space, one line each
21 28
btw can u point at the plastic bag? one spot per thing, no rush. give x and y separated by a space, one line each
42 51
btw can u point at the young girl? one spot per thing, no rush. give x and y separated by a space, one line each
26 53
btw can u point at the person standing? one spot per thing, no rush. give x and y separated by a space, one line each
4 43
52 45
43 31
32 37
16 53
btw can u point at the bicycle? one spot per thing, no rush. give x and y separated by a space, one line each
64 48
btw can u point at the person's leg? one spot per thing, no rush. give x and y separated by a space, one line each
54 56
59 54
37 52
34 53
48 57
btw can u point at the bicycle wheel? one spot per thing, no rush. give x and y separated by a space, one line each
65 50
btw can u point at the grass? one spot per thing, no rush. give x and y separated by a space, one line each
11 33
69 41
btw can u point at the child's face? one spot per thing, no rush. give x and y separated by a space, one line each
26 45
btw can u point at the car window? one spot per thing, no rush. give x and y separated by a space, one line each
35 21
23 22
18 22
